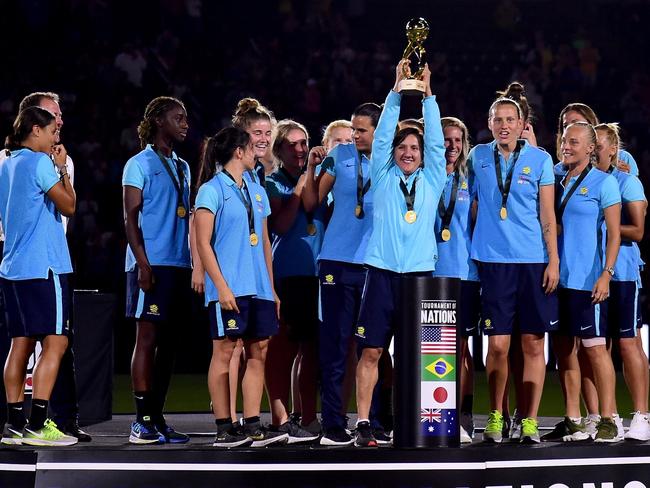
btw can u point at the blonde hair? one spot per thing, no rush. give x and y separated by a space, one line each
248 111
461 162
327 133
281 132
593 157
612 132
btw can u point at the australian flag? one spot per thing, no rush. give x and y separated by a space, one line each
438 422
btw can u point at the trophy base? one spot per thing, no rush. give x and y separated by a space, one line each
411 87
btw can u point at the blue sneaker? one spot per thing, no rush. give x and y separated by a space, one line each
145 433
170 435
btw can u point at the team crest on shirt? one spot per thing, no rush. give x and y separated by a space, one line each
463 185
258 197
584 190
232 324
488 324
329 280
526 170
361 332
153 310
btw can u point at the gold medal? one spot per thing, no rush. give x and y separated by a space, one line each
311 229
358 210
503 213
446 234
254 239
181 212
410 216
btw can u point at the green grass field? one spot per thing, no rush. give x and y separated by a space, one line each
189 393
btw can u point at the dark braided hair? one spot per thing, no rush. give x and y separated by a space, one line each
155 109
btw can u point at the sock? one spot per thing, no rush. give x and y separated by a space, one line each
362 420
39 414
220 422
142 406
252 420
467 405
16 415
576 420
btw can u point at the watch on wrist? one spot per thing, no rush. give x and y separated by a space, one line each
610 270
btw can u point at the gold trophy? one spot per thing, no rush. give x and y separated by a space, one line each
417 31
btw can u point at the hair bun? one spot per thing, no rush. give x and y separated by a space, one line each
246 105
515 91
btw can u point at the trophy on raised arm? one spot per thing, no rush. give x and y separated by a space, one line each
417 31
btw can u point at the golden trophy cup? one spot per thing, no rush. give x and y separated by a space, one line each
417 31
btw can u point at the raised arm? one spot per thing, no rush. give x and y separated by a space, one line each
434 141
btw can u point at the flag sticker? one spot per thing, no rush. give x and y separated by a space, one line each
438 340
436 367
438 394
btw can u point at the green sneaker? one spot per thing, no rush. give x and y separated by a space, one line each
529 431
568 431
606 431
494 428
12 436
48 435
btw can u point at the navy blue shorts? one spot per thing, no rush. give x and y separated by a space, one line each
623 311
579 317
37 308
379 307
470 308
513 299
299 306
256 319
169 297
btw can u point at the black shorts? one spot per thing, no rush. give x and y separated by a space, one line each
470 308
579 317
299 306
623 313
169 297
256 319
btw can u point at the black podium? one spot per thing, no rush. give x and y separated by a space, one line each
427 374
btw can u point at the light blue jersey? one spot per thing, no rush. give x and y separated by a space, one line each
629 256
165 234
518 238
582 257
294 252
346 237
242 265
454 259
395 244
626 157
34 236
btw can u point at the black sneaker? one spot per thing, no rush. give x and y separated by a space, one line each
567 431
382 438
231 436
72 428
171 436
12 436
364 437
263 437
336 436
295 433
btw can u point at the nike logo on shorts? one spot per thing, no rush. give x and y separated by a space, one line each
470 329
585 328
626 330
553 322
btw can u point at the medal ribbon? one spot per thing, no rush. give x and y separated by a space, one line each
447 213
409 196
246 199
361 188
505 189
560 203
177 183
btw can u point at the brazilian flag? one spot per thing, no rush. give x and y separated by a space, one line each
438 367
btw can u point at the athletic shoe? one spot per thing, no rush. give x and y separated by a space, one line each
48 435
171 436
12 436
295 433
263 437
591 422
336 436
494 429
639 428
382 437
72 428
364 436
145 432
467 423
567 431
620 429
515 428
314 427
231 435
529 433
464 436
606 431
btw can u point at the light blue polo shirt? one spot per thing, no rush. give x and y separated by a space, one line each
626 157
242 265
34 236
629 256
346 237
454 259
396 245
582 257
294 252
518 238
165 234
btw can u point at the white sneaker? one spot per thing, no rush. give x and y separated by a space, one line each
591 421
620 434
639 427
466 439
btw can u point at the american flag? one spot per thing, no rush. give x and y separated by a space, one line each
439 340
430 415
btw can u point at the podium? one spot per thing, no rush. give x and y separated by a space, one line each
427 371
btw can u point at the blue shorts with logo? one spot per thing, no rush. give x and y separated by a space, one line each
513 299
256 319
380 306
623 311
579 317
470 308
38 307
169 297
